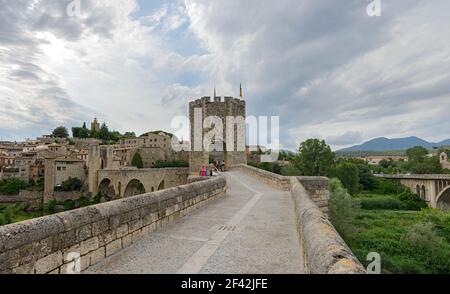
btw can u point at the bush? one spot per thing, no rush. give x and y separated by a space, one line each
12 186
422 238
367 180
289 170
439 219
343 209
426 244
403 201
380 202
411 201
348 174
97 199
72 184
83 202
6 217
69 205
51 206
384 186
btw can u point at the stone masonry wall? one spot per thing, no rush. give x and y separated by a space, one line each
269 178
319 191
325 252
43 245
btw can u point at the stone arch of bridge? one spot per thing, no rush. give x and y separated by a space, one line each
443 199
106 189
134 187
161 186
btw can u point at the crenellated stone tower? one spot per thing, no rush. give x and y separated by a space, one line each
231 112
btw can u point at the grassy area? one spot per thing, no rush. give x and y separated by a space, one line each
14 213
410 237
406 242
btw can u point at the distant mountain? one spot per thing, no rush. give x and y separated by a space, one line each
385 144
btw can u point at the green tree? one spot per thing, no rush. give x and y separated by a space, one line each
115 136
76 132
315 158
129 135
386 163
343 209
84 125
12 186
348 174
137 161
104 132
416 154
428 166
366 179
84 133
60 132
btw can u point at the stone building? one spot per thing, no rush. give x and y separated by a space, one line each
232 112
60 169
443 159
152 146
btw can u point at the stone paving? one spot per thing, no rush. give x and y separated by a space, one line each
250 231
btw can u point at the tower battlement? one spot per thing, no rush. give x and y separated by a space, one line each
218 99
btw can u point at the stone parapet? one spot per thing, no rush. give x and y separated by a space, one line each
325 252
274 180
44 245
319 191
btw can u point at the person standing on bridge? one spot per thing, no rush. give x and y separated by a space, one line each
203 171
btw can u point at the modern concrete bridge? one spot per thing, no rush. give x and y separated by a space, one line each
434 189
251 230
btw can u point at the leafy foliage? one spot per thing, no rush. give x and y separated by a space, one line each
416 154
315 158
12 186
393 234
343 208
60 132
71 184
137 161
348 174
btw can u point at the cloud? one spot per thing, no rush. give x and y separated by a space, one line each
325 67
347 138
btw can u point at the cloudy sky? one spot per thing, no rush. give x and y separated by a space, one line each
325 67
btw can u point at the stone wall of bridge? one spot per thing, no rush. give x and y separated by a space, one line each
44 245
274 180
152 179
325 252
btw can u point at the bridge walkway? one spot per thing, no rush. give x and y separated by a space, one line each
250 231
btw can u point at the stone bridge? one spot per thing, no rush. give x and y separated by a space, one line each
120 183
246 221
434 189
